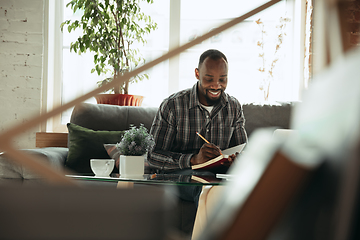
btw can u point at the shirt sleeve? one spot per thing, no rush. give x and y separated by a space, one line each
164 131
239 135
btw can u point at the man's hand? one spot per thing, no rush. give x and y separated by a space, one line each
230 160
207 151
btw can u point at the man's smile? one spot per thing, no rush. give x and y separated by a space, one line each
214 93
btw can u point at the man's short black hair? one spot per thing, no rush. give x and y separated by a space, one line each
213 54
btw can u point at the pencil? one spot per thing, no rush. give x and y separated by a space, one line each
206 140
202 137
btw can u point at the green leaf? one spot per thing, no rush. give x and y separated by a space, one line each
101 33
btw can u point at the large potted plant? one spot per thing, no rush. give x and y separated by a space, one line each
110 29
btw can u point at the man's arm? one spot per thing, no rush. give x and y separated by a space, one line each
239 135
164 131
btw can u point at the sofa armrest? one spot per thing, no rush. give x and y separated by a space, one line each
54 156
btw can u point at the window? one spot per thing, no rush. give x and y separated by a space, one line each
178 23
239 44
77 76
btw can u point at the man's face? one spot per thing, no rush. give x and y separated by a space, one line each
212 76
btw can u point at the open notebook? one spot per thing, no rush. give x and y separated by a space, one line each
216 162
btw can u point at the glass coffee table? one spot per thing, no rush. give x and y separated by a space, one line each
211 187
163 179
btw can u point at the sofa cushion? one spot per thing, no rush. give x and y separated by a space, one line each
112 151
112 117
85 144
52 156
119 118
267 115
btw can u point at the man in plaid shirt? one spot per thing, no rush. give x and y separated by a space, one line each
204 108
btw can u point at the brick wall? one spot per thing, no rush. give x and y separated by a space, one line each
21 56
352 13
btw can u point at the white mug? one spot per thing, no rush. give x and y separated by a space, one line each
102 167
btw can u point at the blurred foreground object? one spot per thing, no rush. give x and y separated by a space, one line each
48 212
305 186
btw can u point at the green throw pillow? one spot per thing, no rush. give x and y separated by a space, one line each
85 144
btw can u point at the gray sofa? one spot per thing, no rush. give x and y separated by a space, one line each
116 118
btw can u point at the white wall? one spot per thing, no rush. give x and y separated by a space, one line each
21 64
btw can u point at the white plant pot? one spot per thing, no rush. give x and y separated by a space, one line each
131 166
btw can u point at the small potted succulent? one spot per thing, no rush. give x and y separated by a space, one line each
133 147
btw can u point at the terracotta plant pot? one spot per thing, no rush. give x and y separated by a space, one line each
119 99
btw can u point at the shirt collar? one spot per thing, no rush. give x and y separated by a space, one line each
194 99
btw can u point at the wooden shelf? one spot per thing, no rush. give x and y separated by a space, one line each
51 139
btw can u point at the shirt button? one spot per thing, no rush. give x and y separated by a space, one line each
207 130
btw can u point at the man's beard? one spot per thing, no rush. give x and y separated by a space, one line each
212 102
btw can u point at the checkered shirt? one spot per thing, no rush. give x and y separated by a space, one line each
178 119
